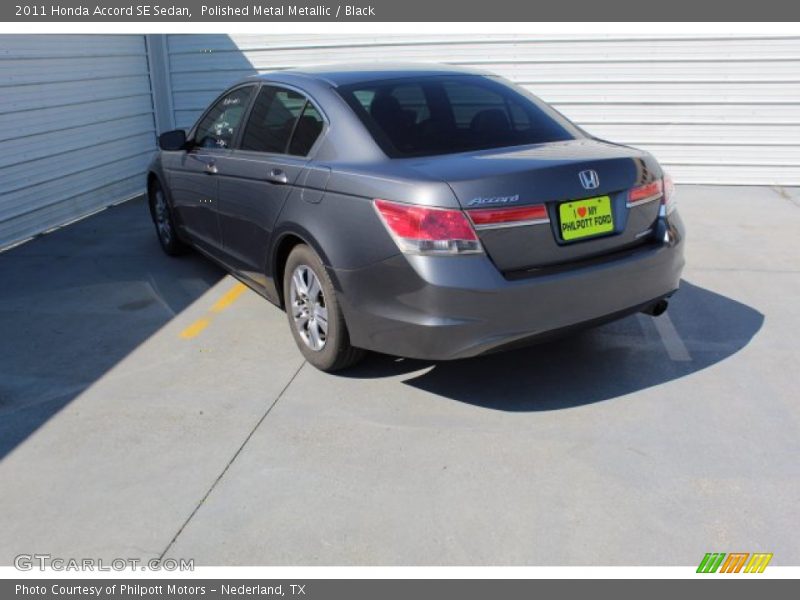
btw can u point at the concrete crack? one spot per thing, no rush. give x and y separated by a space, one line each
230 462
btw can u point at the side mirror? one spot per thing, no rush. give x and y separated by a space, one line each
172 140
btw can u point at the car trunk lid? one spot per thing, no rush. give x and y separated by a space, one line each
548 175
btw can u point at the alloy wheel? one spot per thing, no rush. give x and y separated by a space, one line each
309 309
162 217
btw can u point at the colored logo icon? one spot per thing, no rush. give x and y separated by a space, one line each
736 562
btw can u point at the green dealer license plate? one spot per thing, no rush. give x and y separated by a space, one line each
585 218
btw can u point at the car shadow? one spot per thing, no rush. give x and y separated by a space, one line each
701 329
75 302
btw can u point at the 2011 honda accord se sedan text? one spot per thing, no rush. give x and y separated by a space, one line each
419 211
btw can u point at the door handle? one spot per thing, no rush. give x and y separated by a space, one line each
277 176
211 168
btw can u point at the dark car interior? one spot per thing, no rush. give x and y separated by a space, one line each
282 121
442 116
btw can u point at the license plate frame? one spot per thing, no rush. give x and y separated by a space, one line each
585 218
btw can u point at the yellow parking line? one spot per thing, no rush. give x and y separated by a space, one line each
227 299
195 328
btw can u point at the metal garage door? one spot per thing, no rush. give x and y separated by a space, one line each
76 127
713 109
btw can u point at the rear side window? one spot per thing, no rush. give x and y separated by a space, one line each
220 124
281 121
308 128
443 115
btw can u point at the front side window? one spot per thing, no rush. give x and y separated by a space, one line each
282 121
220 124
449 114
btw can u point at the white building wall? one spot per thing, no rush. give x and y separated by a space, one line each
713 109
76 127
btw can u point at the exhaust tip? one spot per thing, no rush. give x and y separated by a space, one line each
656 308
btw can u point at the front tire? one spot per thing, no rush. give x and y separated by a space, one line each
165 224
315 317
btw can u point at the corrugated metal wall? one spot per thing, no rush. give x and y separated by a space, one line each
712 109
76 127
77 121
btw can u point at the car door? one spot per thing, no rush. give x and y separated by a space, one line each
258 175
192 174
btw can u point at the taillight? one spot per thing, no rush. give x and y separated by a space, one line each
645 193
668 200
506 217
425 230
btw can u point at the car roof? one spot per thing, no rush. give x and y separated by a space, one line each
347 74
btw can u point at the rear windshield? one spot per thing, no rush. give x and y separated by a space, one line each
444 115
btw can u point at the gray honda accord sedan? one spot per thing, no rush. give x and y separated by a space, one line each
420 211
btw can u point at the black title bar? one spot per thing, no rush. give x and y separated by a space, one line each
731 588
405 10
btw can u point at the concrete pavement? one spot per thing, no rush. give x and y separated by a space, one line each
643 442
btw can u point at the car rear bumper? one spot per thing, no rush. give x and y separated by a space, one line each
439 308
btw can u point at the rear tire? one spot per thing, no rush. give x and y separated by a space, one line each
165 224
314 315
